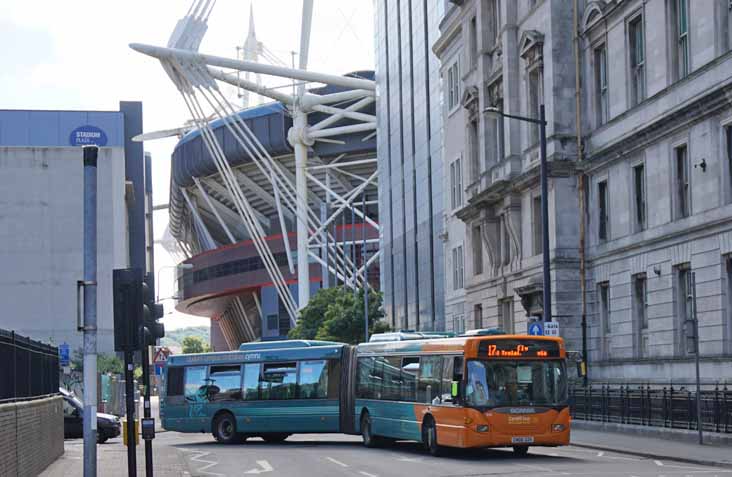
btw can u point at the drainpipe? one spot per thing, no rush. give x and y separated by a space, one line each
580 187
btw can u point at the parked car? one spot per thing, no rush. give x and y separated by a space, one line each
108 425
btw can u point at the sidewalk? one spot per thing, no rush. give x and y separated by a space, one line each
112 460
653 447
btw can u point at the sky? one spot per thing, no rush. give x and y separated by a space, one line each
74 55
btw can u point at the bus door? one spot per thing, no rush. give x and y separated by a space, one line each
449 414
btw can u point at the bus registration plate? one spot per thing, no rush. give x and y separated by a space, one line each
522 440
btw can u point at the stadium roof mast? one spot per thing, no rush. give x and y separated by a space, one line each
193 73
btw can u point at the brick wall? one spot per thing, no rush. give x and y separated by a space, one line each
31 436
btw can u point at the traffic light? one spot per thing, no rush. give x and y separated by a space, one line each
151 313
128 302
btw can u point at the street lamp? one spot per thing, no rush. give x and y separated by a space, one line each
547 287
180 266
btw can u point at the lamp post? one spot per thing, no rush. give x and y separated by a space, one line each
180 266
547 286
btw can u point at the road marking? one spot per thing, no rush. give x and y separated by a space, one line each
337 462
409 459
600 454
367 474
264 467
209 463
658 463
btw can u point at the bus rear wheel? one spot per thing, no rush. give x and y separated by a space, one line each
429 438
224 429
275 437
520 450
369 439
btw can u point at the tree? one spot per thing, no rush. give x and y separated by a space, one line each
109 363
194 344
336 314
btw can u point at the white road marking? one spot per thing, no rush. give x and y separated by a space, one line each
658 463
337 462
600 454
367 474
263 467
409 459
209 463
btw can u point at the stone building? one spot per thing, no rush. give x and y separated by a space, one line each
656 125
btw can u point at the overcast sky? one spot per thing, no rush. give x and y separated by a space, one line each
73 54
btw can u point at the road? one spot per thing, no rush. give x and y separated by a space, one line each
337 455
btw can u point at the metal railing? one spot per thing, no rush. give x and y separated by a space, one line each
29 368
658 406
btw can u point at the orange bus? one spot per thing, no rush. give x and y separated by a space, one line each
481 390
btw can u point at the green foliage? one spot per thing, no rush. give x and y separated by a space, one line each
174 338
336 314
195 344
109 363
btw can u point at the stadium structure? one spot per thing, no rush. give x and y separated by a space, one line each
271 197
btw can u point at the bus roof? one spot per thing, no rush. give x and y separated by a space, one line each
262 345
263 354
461 344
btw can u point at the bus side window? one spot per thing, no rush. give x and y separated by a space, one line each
364 374
250 384
447 375
410 370
175 382
196 388
313 380
430 371
278 381
225 382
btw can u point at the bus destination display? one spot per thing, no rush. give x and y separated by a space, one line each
519 349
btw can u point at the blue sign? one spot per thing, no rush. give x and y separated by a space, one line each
158 370
87 136
64 354
536 329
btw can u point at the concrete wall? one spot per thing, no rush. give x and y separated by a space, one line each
31 436
41 240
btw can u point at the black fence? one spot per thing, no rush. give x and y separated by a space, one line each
660 406
29 368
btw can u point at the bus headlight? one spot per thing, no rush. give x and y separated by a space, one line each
558 427
483 428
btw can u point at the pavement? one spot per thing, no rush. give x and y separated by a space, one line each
325 455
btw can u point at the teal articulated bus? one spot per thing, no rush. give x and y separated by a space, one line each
271 389
476 390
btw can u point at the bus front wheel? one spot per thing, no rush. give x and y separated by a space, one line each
224 429
369 439
429 438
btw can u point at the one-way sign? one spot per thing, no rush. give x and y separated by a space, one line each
536 329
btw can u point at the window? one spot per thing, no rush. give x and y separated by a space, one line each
391 384
640 315
639 188
505 317
478 316
636 41
313 380
495 145
273 322
456 184
684 304
368 379
196 389
410 371
474 148
477 250
458 324
603 298
430 373
602 103
452 370
453 86
537 226
494 19
175 381
534 96
602 231
728 150
473 31
250 385
682 181
278 381
505 240
225 382
458 272
680 41
728 277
